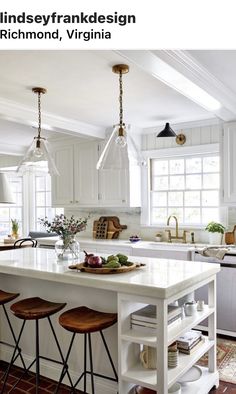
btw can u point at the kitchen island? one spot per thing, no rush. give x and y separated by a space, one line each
36 272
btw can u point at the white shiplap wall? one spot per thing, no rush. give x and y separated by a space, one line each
194 136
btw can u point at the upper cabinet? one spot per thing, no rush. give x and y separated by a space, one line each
81 184
228 169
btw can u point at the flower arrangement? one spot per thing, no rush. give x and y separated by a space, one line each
63 226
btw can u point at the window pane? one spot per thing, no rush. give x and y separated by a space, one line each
160 167
193 165
160 183
210 198
177 166
40 213
211 164
211 181
159 215
192 199
40 183
4 214
48 199
192 215
178 212
210 214
16 213
40 199
193 182
159 199
177 182
175 199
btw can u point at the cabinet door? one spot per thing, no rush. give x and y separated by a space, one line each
228 179
86 174
113 188
62 185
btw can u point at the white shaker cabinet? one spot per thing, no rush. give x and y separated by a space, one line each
228 173
62 186
81 184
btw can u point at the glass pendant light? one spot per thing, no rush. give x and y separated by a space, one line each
166 132
120 148
38 158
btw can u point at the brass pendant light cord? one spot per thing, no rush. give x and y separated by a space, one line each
39 115
121 100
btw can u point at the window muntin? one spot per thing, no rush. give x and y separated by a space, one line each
187 187
43 202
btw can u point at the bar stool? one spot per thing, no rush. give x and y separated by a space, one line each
83 320
35 308
4 299
29 242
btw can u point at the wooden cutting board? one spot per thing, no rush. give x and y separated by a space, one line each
102 271
107 227
229 237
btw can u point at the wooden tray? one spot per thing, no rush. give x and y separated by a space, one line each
120 270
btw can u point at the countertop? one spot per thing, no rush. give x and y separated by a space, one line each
161 278
50 241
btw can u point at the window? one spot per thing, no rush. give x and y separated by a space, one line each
12 211
187 187
43 202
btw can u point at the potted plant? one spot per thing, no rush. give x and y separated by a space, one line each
216 231
14 228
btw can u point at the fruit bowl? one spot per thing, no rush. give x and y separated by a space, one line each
134 238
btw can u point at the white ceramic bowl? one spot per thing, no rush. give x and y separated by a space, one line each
175 389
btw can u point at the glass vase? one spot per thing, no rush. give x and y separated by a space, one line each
67 248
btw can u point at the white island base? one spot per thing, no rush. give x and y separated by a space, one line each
36 272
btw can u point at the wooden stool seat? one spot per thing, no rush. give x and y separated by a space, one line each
84 320
143 390
7 297
35 308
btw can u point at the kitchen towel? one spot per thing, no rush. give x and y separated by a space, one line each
211 251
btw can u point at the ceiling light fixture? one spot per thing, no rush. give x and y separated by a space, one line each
38 158
120 148
6 196
166 132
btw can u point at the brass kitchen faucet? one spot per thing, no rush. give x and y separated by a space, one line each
176 236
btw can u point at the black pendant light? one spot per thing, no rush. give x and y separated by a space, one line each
166 132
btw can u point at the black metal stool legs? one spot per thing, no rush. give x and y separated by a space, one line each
13 358
85 372
37 354
65 366
85 361
91 363
13 335
109 356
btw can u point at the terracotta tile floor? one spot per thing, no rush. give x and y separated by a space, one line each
47 386
27 385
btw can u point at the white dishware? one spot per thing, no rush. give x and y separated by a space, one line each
190 308
191 375
175 389
200 305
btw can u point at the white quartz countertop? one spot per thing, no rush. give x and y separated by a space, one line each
50 241
161 278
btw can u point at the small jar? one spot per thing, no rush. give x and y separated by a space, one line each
190 308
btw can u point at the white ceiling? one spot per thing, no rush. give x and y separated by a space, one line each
82 96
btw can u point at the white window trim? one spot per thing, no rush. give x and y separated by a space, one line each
173 152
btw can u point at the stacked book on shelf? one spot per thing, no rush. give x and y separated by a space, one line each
147 317
190 341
